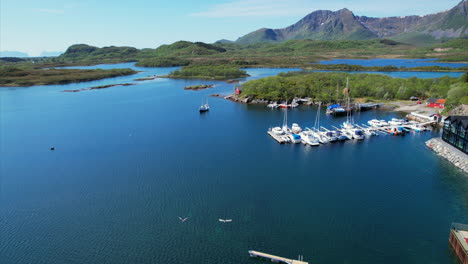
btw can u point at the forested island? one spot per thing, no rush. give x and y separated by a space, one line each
221 72
328 87
27 76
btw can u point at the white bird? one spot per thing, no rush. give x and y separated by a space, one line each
183 219
225 220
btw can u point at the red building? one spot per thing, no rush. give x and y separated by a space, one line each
237 90
435 103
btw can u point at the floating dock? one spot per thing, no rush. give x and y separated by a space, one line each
274 258
279 138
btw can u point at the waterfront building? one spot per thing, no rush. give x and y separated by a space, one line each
455 132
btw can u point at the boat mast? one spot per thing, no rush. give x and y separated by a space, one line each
317 117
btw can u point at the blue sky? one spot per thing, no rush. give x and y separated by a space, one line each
51 25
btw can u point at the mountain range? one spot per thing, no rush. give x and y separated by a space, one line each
344 25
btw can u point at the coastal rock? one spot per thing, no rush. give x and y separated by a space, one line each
445 150
198 87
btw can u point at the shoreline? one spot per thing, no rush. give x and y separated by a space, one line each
396 106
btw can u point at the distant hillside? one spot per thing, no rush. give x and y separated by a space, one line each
344 25
182 48
85 52
17 54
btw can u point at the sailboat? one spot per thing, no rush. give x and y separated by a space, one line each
321 137
348 126
204 107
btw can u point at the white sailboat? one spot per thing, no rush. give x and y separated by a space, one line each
204 107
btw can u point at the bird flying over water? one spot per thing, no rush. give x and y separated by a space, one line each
183 219
225 220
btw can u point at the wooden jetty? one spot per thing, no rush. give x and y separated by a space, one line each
274 258
458 240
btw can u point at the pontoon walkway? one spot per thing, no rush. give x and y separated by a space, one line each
275 258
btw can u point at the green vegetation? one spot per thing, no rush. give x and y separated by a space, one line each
162 62
327 86
22 76
348 67
221 72
458 94
83 52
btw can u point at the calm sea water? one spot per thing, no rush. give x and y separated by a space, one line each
130 160
402 62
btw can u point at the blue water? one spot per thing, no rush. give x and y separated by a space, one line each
408 63
399 63
130 160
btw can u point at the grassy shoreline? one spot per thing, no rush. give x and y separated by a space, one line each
20 77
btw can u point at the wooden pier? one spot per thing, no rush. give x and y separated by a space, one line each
274 258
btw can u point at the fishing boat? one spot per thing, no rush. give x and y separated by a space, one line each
204 107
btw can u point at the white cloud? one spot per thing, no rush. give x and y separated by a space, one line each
50 11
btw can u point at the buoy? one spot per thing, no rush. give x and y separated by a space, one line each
52 148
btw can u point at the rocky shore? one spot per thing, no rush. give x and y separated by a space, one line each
198 87
97 87
455 156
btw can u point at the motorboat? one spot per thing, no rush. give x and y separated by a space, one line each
358 134
374 123
309 139
295 138
273 105
277 130
383 123
295 128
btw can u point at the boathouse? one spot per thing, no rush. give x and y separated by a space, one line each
458 241
455 132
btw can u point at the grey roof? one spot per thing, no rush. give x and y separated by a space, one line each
458 119
432 100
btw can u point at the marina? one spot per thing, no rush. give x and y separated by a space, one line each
347 131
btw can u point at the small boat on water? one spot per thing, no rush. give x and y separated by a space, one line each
331 135
358 134
396 122
295 128
277 130
335 109
273 105
374 123
383 123
295 138
308 139
292 105
204 107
